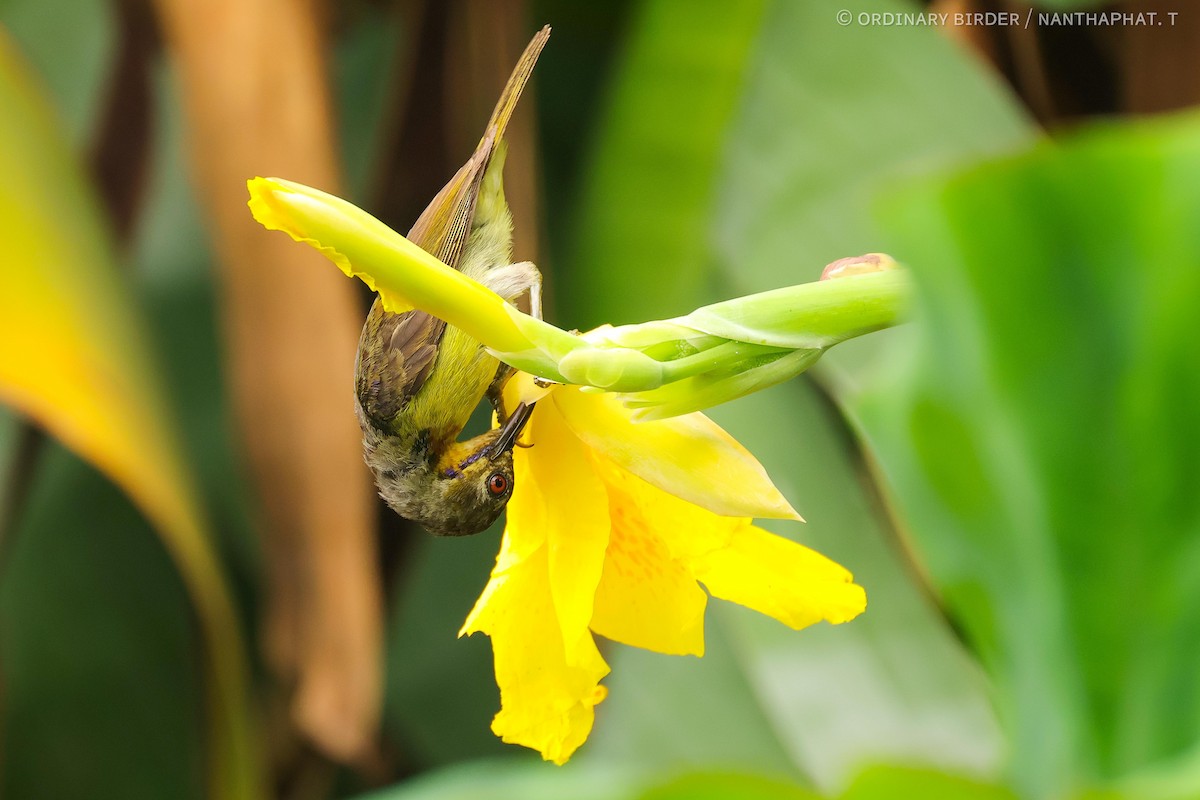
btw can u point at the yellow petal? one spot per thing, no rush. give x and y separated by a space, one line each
689 456
574 515
524 388
489 607
780 578
524 534
739 562
546 702
646 598
405 276
687 530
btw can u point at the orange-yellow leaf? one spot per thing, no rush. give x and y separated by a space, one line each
73 357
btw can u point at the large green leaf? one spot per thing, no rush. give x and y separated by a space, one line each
518 779
103 694
758 178
10 427
891 783
1045 446
641 224
725 786
528 781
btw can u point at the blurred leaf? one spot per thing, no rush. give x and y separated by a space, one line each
10 428
75 360
770 176
365 64
529 780
674 712
646 196
171 260
522 779
889 783
574 75
722 786
1173 779
103 684
69 44
441 693
1046 444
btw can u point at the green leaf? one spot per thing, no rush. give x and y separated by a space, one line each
523 780
668 713
1045 445
1172 779
10 426
889 783
646 199
726 786
100 658
518 780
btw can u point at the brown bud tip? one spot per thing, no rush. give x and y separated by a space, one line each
858 265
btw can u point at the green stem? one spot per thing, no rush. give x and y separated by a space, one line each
810 315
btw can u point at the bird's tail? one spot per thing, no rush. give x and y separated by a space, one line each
516 84
444 226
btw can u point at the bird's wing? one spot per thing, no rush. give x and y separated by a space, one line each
394 369
388 376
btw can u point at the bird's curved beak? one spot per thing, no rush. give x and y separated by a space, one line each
511 429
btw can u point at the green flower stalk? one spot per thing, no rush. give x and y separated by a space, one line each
660 369
726 350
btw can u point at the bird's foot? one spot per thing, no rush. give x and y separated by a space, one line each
514 280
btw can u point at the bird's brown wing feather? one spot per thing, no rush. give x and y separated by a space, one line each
392 371
396 351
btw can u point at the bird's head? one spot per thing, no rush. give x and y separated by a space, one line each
462 491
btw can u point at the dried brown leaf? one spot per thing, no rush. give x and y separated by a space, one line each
254 86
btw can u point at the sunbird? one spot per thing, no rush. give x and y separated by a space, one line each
417 379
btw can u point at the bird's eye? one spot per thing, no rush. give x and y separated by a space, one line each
497 484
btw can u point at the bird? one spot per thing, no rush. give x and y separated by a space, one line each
418 379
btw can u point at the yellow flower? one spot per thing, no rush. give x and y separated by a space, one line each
611 525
